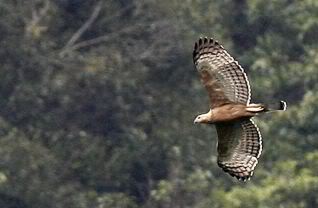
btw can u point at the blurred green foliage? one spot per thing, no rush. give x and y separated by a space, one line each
98 99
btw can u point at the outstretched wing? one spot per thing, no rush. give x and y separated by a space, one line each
221 75
239 147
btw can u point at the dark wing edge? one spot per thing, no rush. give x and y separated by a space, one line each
239 147
229 73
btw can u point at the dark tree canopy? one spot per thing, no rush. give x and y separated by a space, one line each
98 99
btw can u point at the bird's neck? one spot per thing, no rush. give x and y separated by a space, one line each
208 117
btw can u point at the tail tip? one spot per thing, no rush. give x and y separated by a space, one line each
283 105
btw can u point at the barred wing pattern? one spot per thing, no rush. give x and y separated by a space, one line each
239 147
221 75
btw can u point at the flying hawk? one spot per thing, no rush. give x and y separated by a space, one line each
239 140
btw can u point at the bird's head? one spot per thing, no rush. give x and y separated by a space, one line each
199 119
204 118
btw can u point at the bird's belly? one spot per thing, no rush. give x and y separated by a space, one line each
230 113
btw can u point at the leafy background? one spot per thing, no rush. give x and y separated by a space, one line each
98 99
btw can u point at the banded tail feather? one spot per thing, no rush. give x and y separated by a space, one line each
258 108
280 106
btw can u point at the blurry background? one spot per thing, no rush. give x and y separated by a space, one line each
98 100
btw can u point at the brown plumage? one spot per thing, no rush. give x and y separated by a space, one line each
239 140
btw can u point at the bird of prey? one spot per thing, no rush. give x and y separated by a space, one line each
239 140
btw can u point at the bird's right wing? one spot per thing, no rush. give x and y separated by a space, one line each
222 76
239 147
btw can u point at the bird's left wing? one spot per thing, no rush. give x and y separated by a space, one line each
239 147
222 76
